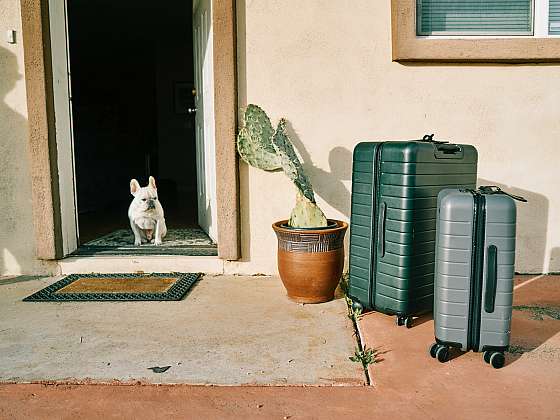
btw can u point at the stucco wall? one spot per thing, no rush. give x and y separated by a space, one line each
326 67
17 244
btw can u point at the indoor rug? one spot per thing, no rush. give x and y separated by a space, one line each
191 242
117 287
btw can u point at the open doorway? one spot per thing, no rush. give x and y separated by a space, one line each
133 85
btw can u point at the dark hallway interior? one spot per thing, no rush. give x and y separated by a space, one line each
132 79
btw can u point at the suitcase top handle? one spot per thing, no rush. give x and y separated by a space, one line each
442 149
493 189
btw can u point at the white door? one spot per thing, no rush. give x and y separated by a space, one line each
63 124
204 119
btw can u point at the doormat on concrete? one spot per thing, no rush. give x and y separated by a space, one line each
117 287
190 242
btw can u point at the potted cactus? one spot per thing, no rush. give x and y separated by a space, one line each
310 246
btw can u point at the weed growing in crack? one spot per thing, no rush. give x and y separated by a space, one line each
362 354
354 313
539 312
365 356
514 349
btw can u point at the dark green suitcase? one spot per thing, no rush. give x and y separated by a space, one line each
393 222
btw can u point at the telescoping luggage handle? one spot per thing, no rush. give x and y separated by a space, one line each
444 150
493 189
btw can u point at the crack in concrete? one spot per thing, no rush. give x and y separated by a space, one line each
354 318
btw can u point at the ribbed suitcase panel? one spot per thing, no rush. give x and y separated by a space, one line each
411 176
453 266
500 231
361 219
410 190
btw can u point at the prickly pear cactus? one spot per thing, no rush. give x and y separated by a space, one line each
306 214
254 141
262 147
290 161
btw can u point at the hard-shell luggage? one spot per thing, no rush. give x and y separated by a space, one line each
392 233
475 255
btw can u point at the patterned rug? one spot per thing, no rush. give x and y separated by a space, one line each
117 287
193 242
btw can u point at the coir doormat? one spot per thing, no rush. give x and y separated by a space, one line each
117 287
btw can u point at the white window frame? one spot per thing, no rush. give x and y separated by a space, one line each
540 26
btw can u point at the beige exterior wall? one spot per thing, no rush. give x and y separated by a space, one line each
17 242
326 67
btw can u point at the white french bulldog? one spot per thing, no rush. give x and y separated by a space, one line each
146 214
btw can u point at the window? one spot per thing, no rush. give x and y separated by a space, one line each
504 31
465 18
554 17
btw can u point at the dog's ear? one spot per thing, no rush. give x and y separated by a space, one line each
134 186
152 182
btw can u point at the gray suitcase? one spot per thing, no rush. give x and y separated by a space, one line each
473 284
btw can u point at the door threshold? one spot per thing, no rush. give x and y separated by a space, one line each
145 250
141 263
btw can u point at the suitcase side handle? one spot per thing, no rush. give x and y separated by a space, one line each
381 236
491 279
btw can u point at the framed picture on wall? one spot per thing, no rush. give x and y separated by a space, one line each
183 96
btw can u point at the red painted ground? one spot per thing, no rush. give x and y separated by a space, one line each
527 387
408 383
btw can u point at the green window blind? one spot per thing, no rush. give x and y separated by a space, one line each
554 17
475 17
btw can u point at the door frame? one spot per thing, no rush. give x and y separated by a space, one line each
46 185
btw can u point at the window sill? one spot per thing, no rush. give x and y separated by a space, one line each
407 47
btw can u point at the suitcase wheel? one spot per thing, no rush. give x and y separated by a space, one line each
433 349
442 354
486 356
357 307
409 321
400 320
497 360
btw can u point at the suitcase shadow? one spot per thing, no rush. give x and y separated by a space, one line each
532 227
535 318
422 319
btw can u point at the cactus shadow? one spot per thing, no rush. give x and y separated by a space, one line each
328 185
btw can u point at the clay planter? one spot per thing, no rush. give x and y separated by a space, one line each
310 261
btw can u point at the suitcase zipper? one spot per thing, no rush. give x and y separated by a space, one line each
477 265
375 215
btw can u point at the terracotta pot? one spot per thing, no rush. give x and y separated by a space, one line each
310 261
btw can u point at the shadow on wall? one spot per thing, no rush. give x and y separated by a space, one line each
328 185
15 191
532 226
554 265
244 193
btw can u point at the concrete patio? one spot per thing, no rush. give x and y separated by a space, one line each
228 330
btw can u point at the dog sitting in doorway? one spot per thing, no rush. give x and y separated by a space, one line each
146 214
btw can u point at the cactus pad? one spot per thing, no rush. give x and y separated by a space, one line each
290 161
306 214
254 141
